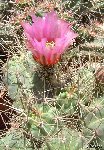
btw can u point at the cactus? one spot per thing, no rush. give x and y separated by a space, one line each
67 113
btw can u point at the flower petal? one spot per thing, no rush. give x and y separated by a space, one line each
28 29
51 26
38 27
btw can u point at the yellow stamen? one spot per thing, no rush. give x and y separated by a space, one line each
50 44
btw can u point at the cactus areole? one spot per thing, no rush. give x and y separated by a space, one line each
48 37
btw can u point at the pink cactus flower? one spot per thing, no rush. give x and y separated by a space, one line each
48 38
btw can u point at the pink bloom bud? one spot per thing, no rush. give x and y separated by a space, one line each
48 38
